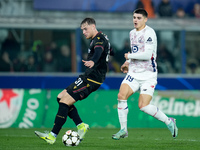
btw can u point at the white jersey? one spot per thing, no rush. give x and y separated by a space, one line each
143 53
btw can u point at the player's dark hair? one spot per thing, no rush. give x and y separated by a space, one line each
141 11
89 21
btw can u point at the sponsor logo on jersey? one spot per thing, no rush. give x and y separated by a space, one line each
10 106
134 48
149 40
97 43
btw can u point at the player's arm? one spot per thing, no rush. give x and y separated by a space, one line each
150 40
124 67
98 49
146 55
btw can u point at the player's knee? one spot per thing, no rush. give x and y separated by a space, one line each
121 96
142 105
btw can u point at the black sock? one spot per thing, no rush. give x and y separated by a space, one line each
61 117
73 114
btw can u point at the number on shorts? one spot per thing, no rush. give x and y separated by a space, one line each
129 78
79 81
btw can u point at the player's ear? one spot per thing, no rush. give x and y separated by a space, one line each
145 19
93 26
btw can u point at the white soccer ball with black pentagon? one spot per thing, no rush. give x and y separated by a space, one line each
71 138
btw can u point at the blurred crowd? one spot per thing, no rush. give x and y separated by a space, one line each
38 58
165 9
52 57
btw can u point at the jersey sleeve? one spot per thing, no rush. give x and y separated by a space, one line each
99 45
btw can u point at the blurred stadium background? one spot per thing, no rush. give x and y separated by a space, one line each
41 47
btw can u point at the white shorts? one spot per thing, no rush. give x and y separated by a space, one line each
145 86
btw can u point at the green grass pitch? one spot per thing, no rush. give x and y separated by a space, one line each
100 139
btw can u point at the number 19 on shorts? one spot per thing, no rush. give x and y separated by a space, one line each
129 78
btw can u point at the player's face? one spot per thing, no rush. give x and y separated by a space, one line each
139 21
88 30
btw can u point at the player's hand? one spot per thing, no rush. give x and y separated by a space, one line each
124 67
126 55
89 63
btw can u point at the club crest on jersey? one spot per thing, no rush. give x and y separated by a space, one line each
141 39
134 48
89 50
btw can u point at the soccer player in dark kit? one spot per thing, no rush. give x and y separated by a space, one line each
88 82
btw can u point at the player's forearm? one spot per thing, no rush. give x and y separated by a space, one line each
141 56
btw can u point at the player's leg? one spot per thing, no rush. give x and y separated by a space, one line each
145 106
73 113
126 90
124 93
82 91
61 117
81 126
147 90
65 102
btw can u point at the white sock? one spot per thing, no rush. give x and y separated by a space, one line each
79 124
55 135
156 113
123 113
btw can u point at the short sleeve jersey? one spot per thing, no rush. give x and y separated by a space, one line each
98 71
141 41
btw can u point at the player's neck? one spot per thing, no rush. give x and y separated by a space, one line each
95 33
141 28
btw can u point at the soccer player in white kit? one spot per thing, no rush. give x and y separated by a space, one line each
141 69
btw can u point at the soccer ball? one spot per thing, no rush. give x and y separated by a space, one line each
71 138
